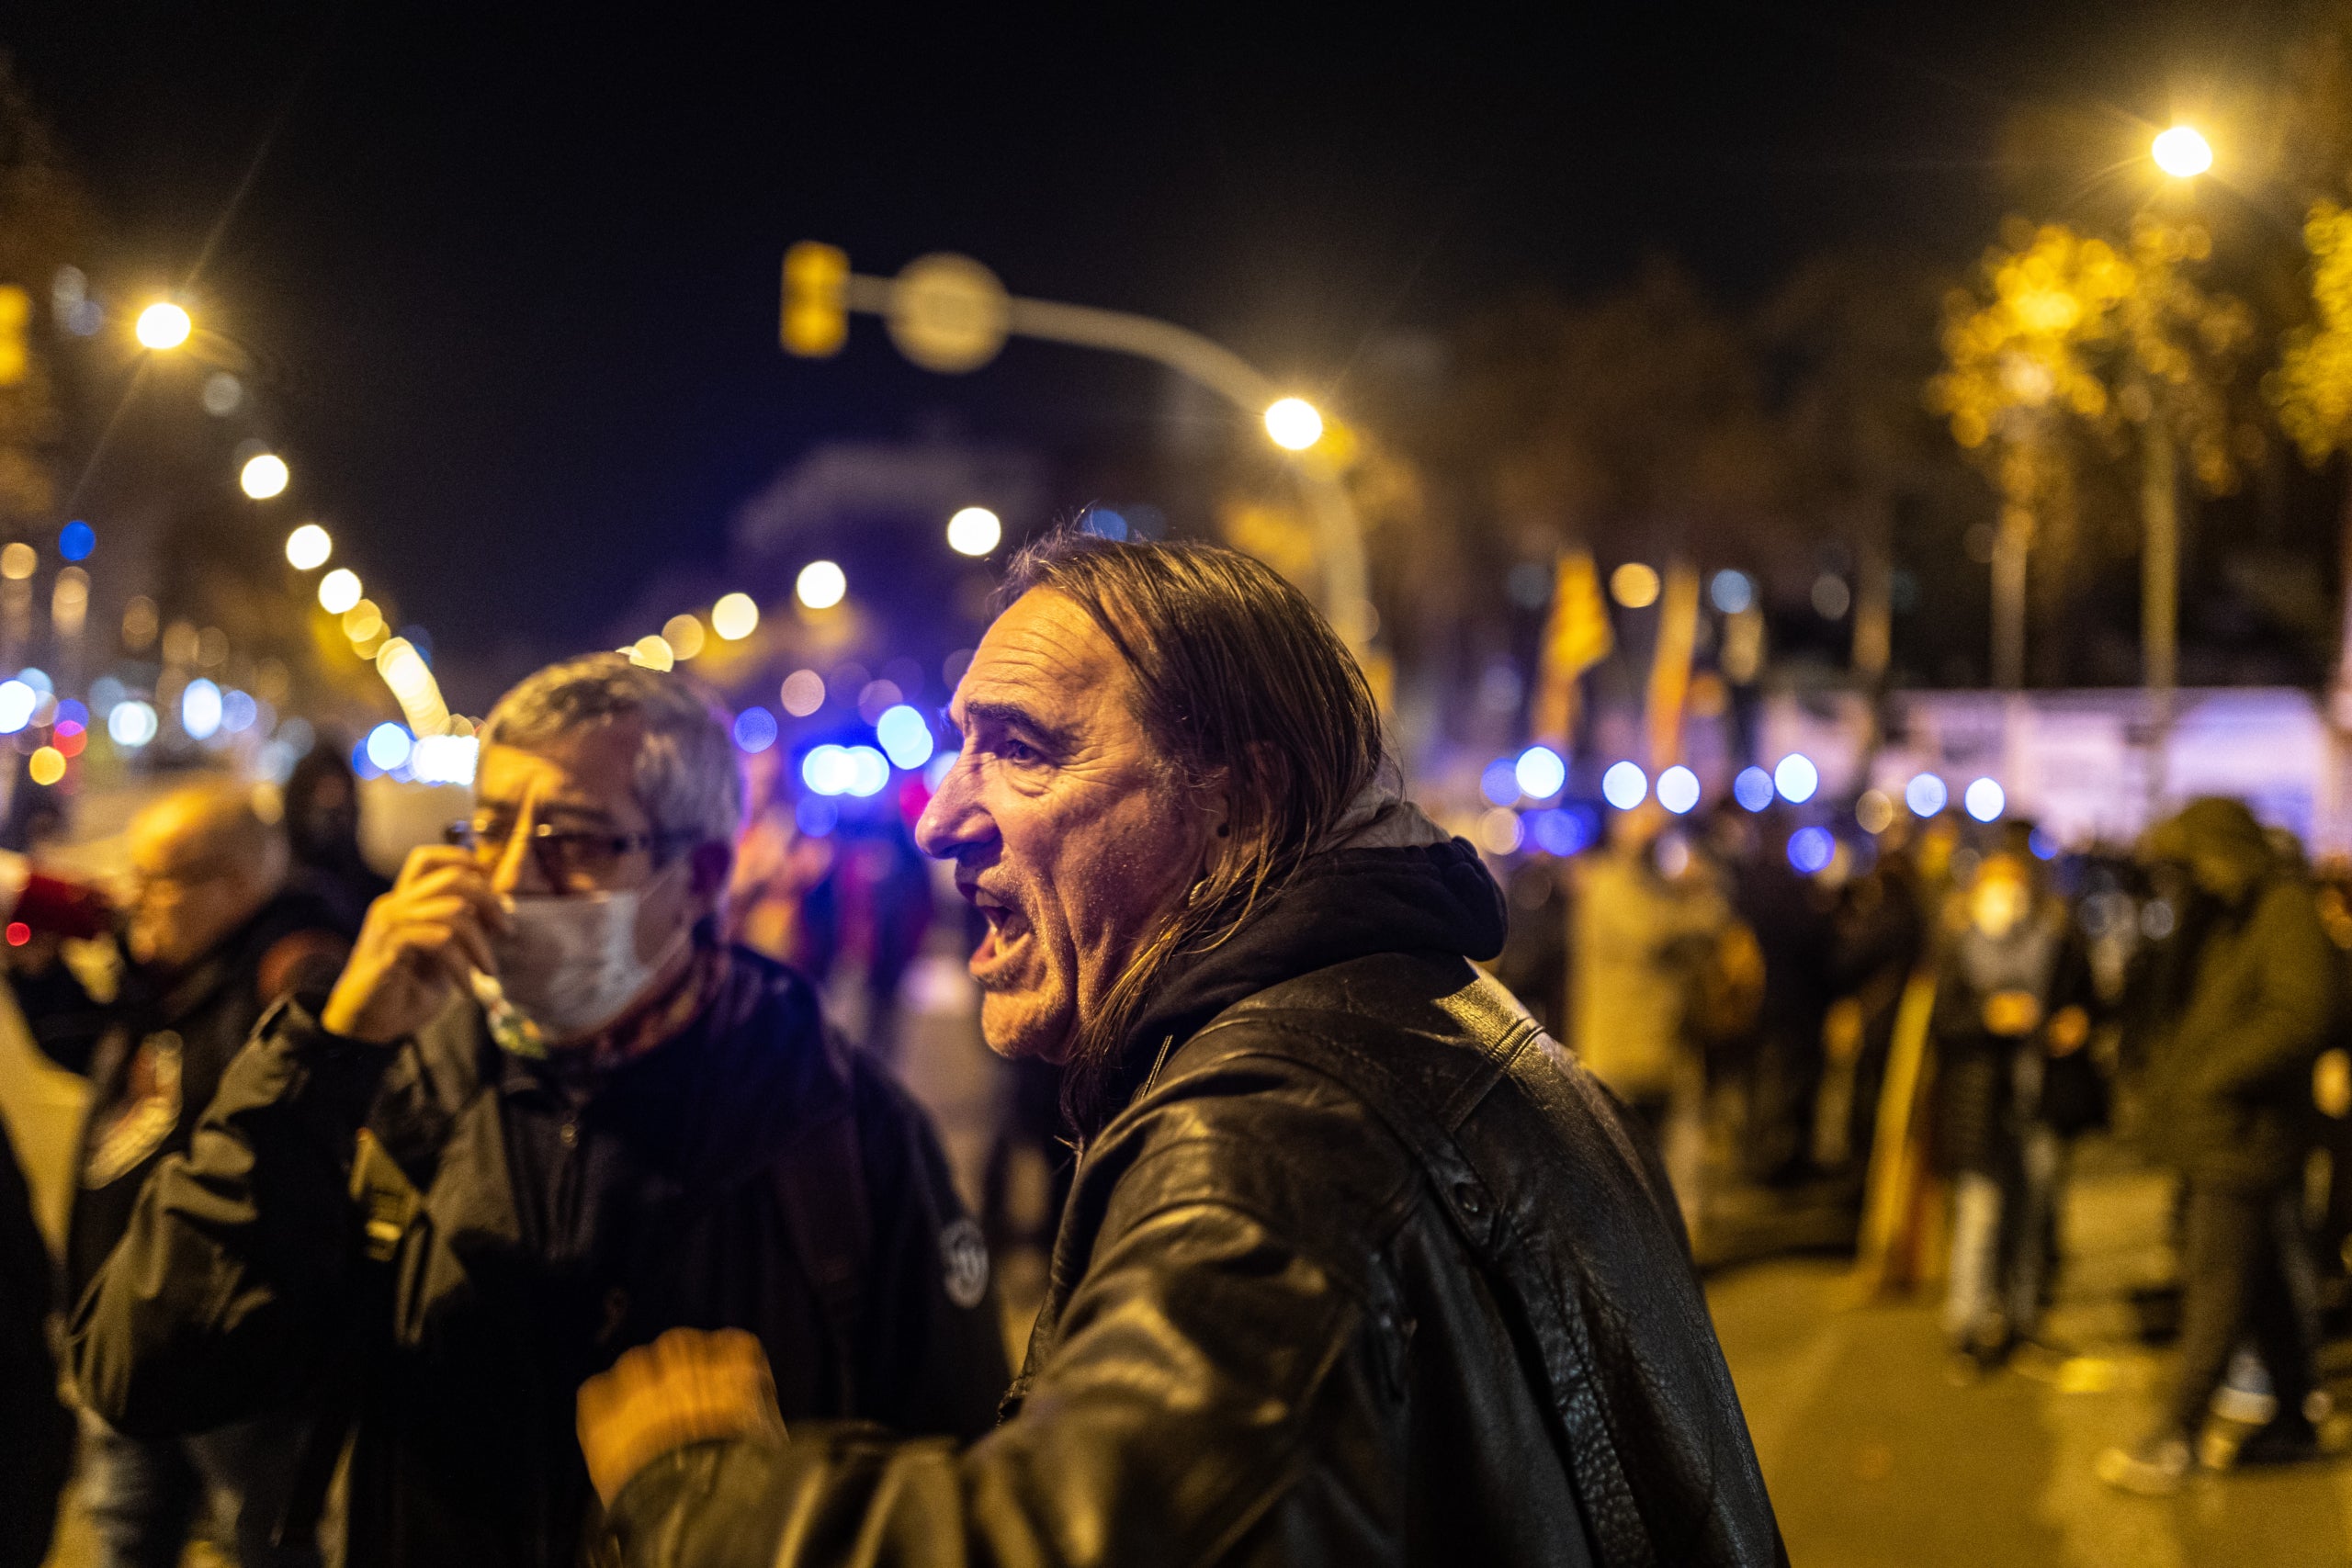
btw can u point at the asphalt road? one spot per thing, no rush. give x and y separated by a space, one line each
1876 1459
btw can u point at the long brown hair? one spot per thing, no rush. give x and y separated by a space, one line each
1239 681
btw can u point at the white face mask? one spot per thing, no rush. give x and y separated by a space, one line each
568 967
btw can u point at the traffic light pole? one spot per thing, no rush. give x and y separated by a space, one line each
950 314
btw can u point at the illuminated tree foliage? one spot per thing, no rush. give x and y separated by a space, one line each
2311 388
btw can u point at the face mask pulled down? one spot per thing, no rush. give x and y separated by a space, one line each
567 967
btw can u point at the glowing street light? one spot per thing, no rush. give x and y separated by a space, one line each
1294 424
338 591
2182 152
307 547
821 584
162 325
975 530
264 476
734 617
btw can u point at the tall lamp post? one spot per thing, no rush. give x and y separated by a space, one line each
2183 154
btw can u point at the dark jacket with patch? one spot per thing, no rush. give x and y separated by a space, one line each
155 1053
747 1173
1368 1271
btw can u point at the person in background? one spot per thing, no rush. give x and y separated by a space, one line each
2229 1092
1361 1267
36 1429
215 935
2009 999
1641 942
542 1114
323 828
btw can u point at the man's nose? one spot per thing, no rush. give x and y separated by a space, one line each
953 820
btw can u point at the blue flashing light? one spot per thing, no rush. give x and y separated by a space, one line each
755 729
905 737
1541 773
77 540
1500 783
1926 794
1985 800
1796 778
200 711
389 745
1811 850
1678 789
1562 831
1752 788
817 816
1625 785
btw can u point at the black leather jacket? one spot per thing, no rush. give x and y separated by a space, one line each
1369 1271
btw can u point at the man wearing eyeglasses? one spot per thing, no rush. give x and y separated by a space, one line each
543 1115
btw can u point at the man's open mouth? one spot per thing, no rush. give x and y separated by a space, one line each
1004 941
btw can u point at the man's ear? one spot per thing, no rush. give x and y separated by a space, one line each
707 869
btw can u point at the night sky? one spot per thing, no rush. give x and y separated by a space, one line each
521 271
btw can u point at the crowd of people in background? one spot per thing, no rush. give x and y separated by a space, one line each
1908 1035
1915 1037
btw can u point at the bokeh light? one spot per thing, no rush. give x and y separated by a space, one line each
1732 592
803 694
1874 812
17 561
1561 831
201 709
1985 800
1293 423
734 617
2182 152
1500 782
389 745
18 701
162 325
77 540
975 530
820 585
1635 585
755 729
1926 794
1796 778
1541 772
1753 788
338 591
1678 789
1625 785
1499 833
869 771
651 652
308 547
827 770
684 636
1812 849
132 724
47 765
906 739
264 476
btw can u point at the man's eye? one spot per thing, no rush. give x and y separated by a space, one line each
1014 750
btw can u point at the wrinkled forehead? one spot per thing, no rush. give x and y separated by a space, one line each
590 772
1046 657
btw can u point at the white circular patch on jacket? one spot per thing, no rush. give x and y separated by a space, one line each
964 1253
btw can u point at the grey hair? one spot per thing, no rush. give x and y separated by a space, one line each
688 778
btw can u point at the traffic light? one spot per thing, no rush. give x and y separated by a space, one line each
816 300
15 314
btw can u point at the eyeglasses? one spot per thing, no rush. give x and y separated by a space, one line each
576 860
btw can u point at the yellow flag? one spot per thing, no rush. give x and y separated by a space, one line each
1577 637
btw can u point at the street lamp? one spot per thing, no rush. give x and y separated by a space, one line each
975 530
2182 152
1293 423
309 546
264 476
162 325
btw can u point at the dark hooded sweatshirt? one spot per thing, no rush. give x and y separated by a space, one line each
1364 1268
